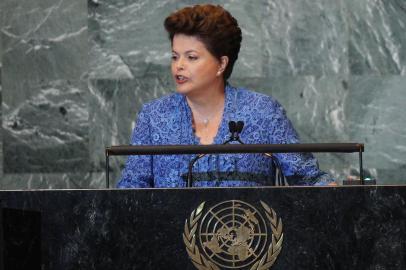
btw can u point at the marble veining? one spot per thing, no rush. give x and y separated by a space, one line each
32 146
377 40
304 38
44 40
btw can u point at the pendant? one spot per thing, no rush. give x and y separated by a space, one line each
206 122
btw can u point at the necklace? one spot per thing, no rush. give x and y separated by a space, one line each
206 122
204 119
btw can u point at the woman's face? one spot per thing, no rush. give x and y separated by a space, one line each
193 67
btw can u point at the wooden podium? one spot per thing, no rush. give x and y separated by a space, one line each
356 227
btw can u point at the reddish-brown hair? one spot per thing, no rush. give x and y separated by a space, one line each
213 25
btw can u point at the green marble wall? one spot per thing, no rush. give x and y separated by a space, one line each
74 74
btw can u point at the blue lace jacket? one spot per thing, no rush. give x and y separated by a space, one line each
168 120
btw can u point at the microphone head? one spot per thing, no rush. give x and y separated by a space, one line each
232 126
239 126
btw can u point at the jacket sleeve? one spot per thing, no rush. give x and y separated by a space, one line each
138 169
298 168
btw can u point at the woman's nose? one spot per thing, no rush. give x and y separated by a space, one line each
180 64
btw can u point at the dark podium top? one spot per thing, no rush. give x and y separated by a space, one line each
357 227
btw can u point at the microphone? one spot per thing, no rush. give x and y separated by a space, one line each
232 127
235 129
239 126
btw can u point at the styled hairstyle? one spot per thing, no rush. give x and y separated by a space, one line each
212 25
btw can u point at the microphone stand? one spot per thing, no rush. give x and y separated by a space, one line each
235 130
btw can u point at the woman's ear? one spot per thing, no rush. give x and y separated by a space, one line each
223 65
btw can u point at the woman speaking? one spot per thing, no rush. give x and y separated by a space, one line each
205 42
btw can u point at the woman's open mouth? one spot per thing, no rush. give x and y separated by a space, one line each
180 79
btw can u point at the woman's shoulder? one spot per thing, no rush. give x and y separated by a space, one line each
253 99
163 104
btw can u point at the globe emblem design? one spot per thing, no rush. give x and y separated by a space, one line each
233 234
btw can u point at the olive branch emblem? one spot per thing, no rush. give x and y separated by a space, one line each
263 263
277 238
189 238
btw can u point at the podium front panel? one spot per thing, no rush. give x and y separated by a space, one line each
357 227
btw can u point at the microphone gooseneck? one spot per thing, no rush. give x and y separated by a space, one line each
235 129
190 169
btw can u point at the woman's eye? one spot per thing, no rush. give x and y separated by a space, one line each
192 57
174 57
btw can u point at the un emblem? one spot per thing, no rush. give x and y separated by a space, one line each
233 235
